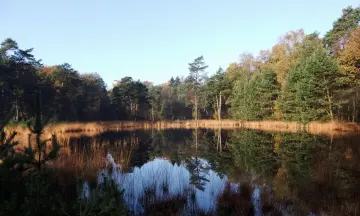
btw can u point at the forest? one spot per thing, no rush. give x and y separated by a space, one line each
304 77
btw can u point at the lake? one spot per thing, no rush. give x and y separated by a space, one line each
220 172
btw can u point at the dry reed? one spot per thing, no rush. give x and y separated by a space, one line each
330 128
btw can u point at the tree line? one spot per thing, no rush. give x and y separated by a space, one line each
303 77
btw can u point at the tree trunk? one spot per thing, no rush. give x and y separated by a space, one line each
330 104
17 111
356 110
216 108
219 144
196 110
152 113
219 108
353 109
196 137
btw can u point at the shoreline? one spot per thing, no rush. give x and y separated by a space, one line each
329 128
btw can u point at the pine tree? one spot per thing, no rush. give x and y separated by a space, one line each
39 156
338 36
267 91
195 79
310 89
286 101
255 98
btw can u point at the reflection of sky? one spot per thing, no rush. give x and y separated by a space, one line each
158 172
256 202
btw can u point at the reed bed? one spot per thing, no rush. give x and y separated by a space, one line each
330 128
79 165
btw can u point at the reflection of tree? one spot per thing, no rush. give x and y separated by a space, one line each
141 154
189 147
296 171
297 154
317 174
197 168
218 135
198 172
312 172
215 151
129 149
253 151
169 144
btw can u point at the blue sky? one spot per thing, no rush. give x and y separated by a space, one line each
155 39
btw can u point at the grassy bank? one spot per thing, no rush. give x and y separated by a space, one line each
330 128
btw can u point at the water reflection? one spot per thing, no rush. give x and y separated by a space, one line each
159 180
222 172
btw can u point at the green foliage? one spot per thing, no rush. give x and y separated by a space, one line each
309 91
94 99
287 98
247 90
196 78
267 89
17 79
154 100
217 90
255 98
336 38
197 72
243 104
130 99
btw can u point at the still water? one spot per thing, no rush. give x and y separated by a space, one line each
223 172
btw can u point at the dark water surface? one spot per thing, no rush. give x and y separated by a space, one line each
222 172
